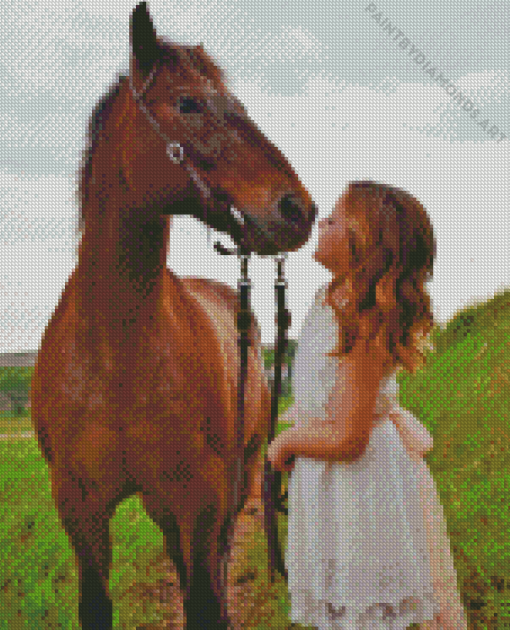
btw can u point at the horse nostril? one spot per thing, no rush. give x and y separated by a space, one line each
291 207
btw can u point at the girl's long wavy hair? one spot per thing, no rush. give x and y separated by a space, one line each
392 250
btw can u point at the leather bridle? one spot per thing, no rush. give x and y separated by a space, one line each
273 502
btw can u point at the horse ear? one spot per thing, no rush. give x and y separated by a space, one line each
144 44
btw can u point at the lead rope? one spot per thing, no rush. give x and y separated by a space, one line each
243 326
273 478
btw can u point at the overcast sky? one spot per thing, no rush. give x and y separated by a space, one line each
412 94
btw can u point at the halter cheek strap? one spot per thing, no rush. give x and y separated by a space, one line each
174 150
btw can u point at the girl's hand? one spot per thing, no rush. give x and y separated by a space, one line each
279 453
289 415
414 435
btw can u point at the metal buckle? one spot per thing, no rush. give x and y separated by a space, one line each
170 148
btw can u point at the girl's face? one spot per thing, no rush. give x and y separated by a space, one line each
333 247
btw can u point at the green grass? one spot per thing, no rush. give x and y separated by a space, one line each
462 396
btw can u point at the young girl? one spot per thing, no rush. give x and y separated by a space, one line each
367 544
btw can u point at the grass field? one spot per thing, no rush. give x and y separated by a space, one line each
462 396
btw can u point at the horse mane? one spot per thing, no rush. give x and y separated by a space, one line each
97 121
198 58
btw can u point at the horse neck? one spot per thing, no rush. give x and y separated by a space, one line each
121 274
121 277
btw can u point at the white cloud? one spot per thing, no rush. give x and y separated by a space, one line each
487 86
36 208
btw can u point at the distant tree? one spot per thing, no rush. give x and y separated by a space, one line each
268 356
15 383
291 353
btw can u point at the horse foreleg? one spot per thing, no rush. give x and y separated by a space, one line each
95 609
91 542
205 600
87 525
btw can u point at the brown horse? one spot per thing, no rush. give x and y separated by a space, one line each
135 387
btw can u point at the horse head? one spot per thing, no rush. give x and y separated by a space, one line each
235 181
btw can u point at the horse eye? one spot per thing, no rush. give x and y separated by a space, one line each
188 105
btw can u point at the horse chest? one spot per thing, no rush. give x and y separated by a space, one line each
143 390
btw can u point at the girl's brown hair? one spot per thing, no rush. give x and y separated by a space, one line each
392 250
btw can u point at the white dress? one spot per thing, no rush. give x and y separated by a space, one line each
363 538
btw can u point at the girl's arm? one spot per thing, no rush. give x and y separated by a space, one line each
415 436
